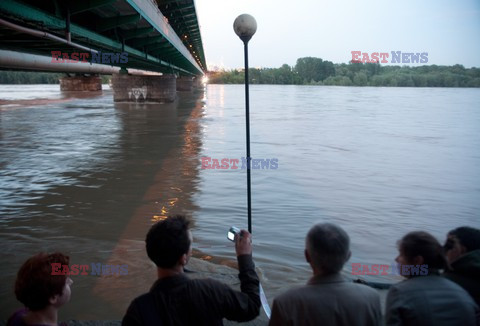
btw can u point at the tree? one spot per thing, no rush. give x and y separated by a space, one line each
314 69
360 79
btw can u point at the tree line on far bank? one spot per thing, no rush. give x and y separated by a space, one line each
315 71
312 71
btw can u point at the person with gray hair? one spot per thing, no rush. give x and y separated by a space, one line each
328 298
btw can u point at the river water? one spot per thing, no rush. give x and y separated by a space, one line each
88 177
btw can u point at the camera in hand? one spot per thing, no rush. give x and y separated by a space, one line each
231 233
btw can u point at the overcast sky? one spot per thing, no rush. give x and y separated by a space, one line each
449 31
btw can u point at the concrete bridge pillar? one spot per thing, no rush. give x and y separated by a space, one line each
130 88
184 84
198 84
81 84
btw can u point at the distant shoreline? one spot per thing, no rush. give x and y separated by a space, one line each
344 85
312 71
315 71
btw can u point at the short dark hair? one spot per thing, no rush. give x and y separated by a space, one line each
420 243
168 240
469 237
328 245
35 284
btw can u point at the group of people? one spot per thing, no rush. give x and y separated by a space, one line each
449 294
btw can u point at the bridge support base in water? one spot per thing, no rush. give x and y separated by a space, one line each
198 84
129 88
81 84
184 84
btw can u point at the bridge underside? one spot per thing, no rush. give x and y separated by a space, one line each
167 42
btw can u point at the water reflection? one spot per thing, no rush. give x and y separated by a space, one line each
88 177
174 182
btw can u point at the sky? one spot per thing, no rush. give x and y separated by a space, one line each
448 30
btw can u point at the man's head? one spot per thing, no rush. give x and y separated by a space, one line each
169 242
35 285
460 241
327 248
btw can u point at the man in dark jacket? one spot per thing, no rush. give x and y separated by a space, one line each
462 249
174 299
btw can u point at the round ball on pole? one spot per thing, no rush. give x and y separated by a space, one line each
245 26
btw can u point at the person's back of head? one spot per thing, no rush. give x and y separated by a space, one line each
327 248
421 247
176 299
168 240
35 285
468 237
462 249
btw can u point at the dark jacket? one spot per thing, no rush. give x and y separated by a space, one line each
178 300
466 273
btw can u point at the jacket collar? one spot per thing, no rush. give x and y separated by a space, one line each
322 279
468 263
170 282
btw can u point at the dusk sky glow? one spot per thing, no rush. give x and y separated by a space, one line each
449 31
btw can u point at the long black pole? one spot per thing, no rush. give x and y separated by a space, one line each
247 121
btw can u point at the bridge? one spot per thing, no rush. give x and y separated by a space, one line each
129 37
